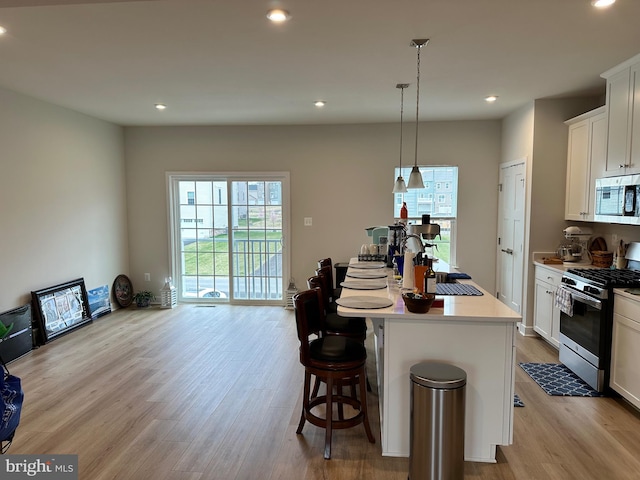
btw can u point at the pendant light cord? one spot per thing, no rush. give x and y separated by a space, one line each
401 112
415 164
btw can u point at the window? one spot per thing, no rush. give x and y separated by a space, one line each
227 234
442 207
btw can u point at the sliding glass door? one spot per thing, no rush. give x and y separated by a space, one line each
227 236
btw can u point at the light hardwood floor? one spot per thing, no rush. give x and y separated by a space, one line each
202 392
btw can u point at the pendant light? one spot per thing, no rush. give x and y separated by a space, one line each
399 186
415 179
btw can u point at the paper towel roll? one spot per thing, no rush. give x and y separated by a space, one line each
408 280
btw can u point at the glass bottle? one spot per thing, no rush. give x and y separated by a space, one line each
404 212
396 271
430 278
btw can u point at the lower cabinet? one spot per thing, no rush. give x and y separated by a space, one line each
546 317
625 350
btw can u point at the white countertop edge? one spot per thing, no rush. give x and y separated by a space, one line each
433 315
623 293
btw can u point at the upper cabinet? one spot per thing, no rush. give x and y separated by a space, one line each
623 103
586 157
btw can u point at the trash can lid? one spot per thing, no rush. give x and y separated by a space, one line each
438 375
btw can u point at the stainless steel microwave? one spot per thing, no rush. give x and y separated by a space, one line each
618 200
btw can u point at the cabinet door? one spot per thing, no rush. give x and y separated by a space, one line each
578 172
598 154
543 309
625 358
546 317
618 103
555 322
635 120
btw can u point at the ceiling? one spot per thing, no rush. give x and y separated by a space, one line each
221 62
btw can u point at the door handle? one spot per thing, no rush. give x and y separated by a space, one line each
508 250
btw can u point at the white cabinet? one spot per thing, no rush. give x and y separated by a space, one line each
625 350
586 156
546 317
623 104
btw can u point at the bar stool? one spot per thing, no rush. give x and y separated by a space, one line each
335 325
327 290
355 327
336 360
336 288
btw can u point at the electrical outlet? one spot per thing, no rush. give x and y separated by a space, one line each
308 221
614 240
147 277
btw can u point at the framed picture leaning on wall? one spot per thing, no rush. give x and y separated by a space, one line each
60 309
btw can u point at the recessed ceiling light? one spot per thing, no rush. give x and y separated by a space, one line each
160 106
3 30
602 3
320 103
278 15
490 98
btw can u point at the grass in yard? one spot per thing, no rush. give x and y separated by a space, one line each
211 256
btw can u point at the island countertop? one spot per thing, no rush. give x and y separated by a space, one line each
475 333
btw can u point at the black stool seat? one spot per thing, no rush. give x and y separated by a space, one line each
354 327
337 349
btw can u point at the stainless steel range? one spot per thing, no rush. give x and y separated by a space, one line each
586 322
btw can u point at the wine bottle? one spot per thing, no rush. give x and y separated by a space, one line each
430 278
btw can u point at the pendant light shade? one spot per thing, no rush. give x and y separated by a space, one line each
400 186
415 179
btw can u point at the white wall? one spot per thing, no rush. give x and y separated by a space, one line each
341 176
62 199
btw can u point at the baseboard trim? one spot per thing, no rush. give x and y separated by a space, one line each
526 331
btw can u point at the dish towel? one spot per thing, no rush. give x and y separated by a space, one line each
564 300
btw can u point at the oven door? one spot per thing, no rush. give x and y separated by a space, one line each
583 338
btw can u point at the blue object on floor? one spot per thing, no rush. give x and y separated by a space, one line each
556 379
516 401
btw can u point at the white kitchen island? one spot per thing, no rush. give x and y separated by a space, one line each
475 333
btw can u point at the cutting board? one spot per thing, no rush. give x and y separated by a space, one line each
598 244
552 261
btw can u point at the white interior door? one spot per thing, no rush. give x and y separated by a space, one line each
511 229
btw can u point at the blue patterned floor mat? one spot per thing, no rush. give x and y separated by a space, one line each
516 401
557 379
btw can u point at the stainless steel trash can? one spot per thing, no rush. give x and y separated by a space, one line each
436 450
